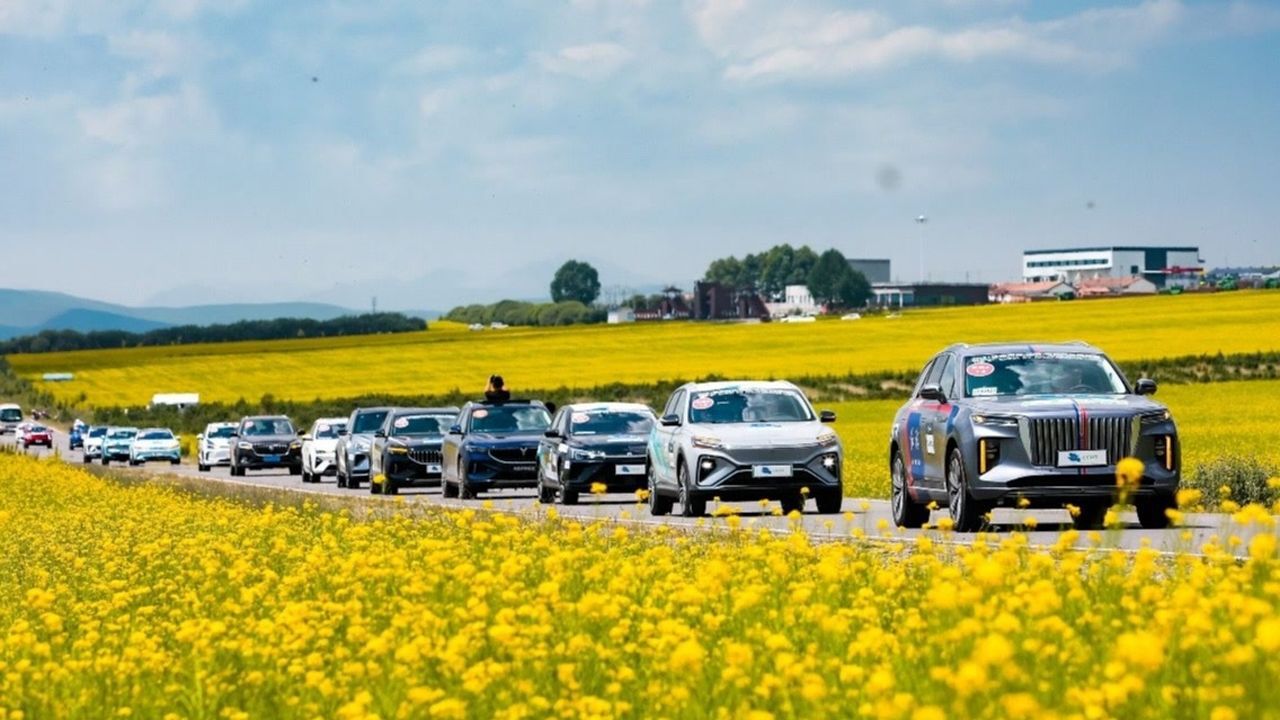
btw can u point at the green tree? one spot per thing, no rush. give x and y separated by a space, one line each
834 283
576 281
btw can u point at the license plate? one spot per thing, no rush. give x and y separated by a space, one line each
771 471
630 470
526 468
271 458
434 469
1082 458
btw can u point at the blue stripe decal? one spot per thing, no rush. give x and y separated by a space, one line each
915 470
951 419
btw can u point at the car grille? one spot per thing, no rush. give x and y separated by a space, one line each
514 455
426 457
1049 436
271 448
784 455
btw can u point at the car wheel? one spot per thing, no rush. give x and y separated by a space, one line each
375 488
659 505
690 505
968 514
465 492
545 494
295 469
106 460
175 461
830 503
1091 515
1152 510
337 472
87 459
907 513
568 496
448 489
791 502
202 467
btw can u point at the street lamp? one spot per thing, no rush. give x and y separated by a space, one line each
920 221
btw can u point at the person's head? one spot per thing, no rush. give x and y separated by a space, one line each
496 382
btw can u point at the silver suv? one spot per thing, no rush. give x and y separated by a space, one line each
743 441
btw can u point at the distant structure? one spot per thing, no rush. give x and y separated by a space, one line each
714 301
622 315
796 300
1020 292
673 306
927 294
1163 266
876 271
182 401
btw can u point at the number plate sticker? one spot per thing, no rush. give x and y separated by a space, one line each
771 471
1082 458
434 469
526 468
630 470
271 458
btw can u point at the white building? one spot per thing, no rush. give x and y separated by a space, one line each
181 401
622 315
796 300
1163 266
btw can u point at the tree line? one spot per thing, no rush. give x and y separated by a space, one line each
517 312
827 275
277 329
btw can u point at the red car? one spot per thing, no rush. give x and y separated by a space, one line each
36 435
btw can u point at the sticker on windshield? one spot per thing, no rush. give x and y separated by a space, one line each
702 402
481 413
985 391
401 423
322 428
581 417
980 369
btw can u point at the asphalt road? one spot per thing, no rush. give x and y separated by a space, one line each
869 517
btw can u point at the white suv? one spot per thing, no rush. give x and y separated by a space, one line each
318 447
213 446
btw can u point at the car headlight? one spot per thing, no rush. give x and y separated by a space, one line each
295 445
709 442
579 454
827 438
1155 418
995 420
245 446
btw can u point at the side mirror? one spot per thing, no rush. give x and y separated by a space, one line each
670 421
551 434
933 392
306 437
302 433
342 432
235 434
827 416
455 430
1145 386
379 434
200 437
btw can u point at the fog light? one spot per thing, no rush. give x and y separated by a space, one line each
1164 450
988 455
708 465
829 462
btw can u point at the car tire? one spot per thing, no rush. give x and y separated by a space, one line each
690 504
202 468
967 514
659 504
546 495
176 462
1151 510
375 488
791 502
337 472
87 459
1091 514
106 460
830 503
448 489
295 469
907 513
568 496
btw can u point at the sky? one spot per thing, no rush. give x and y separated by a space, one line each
441 152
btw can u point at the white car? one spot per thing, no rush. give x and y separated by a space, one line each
10 418
318 446
93 442
213 446
155 444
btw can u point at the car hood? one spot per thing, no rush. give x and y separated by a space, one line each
217 441
428 442
789 434
611 444
269 439
1047 405
327 445
156 443
501 440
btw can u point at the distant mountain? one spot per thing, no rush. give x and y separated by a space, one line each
23 312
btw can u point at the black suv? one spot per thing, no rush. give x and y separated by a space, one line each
263 442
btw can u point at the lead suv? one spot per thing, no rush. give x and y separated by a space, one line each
1030 425
743 441
264 442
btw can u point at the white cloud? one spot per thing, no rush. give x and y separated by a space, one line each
592 61
120 182
149 120
436 59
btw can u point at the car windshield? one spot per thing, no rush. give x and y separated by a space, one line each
368 422
221 432
749 405
156 435
421 425
38 429
97 432
10 415
268 426
121 434
1041 373
610 422
509 418
328 431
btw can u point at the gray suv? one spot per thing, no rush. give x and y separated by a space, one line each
743 441
355 443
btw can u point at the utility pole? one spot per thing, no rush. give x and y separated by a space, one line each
920 221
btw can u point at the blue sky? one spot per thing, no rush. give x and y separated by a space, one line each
440 152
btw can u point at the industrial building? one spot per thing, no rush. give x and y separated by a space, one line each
928 294
876 271
1162 266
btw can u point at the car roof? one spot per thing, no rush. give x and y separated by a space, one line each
730 384
332 420
156 429
379 408
265 417
597 406
1030 346
513 401
121 427
221 424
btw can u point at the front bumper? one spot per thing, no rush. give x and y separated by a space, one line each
582 474
404 468
149 455
215 456
92 450
249 460
737 474
486 471
115 453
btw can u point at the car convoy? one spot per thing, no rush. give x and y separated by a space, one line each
990 425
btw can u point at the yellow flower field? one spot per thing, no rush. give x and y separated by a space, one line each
444 358
151 603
